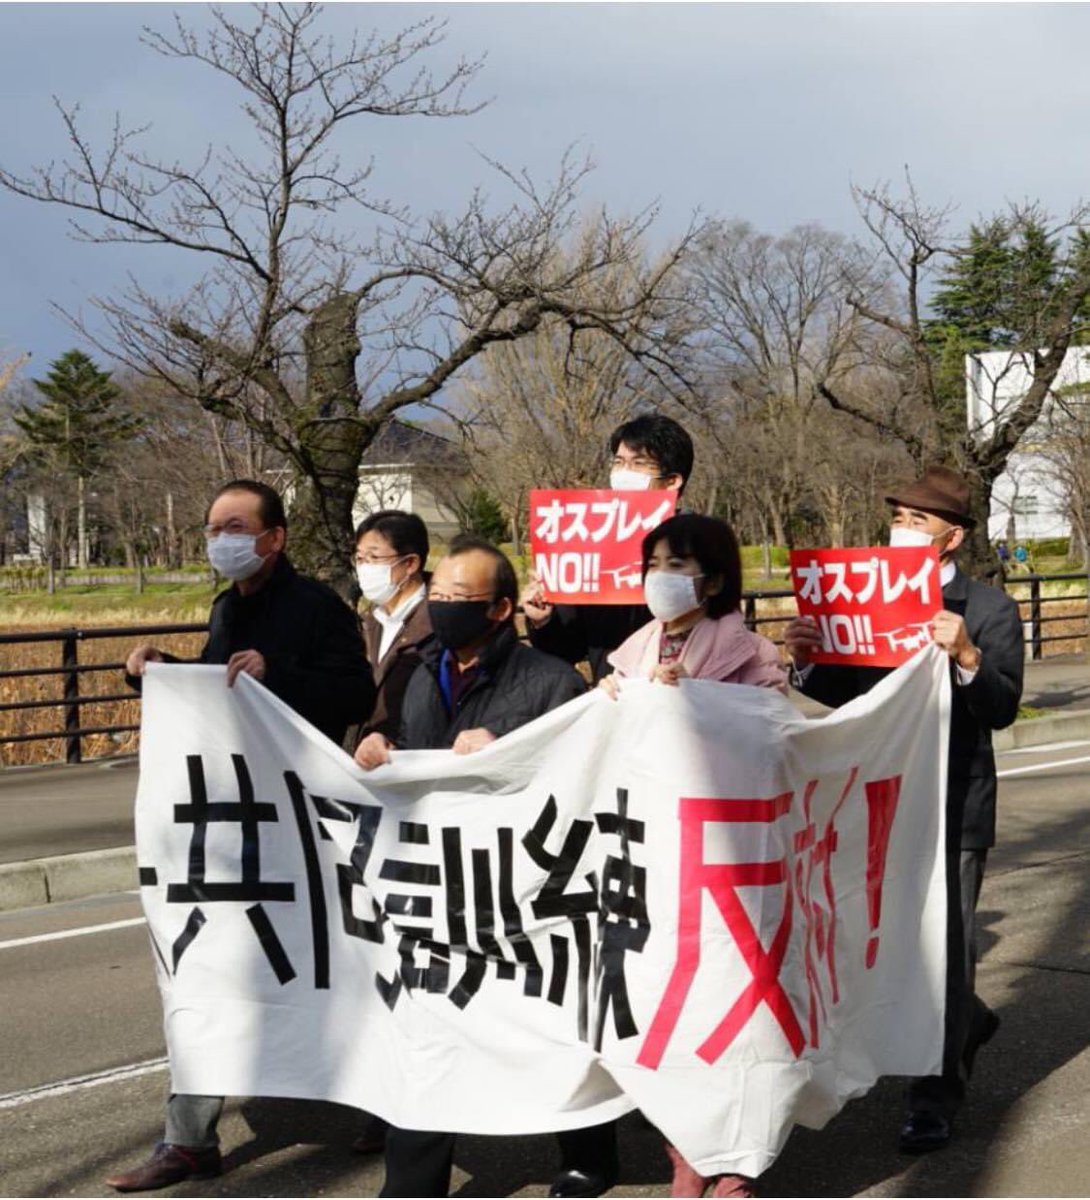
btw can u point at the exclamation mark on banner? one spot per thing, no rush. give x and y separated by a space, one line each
592 564
864 634
882 797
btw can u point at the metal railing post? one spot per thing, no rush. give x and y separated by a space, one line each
70 661
751 612
1035 615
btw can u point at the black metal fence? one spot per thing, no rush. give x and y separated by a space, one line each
71 670
1026 589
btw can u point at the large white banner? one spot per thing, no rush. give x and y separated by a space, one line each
692 901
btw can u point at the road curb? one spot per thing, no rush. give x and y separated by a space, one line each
67 877
1037 731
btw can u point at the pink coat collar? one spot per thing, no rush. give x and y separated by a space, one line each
719 650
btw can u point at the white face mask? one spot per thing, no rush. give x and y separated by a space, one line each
376 581
669 595
623 480
901 535
233 555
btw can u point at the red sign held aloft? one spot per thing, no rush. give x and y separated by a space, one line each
586 543
872 604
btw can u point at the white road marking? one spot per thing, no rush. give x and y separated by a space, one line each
70 933
79 1082
1045 766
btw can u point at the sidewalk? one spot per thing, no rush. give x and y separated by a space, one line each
66 831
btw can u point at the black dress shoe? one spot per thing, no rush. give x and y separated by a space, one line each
980 1036
581 1183
924 1131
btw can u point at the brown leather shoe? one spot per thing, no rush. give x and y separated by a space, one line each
169 1164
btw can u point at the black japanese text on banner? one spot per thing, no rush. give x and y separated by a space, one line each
667 901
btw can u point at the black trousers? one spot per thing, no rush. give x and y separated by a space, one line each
966 1013
592 1150
417 1162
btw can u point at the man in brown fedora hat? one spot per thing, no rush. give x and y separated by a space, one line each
980 629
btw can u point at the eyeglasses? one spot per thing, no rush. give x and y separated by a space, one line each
231 527
371 560
443 597
635 464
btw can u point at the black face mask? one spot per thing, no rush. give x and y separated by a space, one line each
459 622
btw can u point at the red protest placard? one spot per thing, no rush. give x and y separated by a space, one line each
586 543
872 604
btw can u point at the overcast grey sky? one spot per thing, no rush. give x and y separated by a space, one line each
762 111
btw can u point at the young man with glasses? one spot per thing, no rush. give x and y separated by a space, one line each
651 451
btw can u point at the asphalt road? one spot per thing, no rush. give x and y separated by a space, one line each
82 1081
65 810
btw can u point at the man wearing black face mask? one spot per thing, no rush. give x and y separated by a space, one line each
475 683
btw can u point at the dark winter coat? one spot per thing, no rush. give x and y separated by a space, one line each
589 632
310 640
516 684
393 672
990 701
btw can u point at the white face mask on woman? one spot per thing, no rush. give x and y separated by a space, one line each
670 595
234 555
377 582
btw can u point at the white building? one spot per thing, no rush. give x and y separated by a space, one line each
1028 501
417 471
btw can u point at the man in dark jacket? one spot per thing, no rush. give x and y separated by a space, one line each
980 629
651 451
476 682
391 562
303 643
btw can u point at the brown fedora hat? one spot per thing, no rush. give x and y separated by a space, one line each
940 491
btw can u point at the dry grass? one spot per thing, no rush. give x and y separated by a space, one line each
23 655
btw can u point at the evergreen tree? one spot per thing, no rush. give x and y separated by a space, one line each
1000 291
77 425
484 517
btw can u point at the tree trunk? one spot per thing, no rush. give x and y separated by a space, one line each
172 533
331 440
81 522
977 558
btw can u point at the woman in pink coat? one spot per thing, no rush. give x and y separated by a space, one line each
692 583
